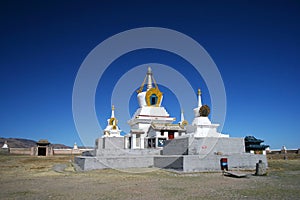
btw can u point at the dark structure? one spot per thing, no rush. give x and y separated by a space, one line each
253 144
43 148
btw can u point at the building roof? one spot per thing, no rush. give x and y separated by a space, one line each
173 127
136 131
43 142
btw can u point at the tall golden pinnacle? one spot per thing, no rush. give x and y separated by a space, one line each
199 92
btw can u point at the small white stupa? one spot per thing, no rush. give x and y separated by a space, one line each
5 146
112 129
183 122
75 147
201 122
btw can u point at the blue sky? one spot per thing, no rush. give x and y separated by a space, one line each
255 45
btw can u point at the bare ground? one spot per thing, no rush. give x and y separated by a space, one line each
25 177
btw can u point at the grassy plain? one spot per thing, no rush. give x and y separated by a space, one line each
26 177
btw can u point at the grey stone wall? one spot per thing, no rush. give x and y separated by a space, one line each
210 145
244 161
127 152
203 146
169 162
197 163
110 143
179 146
121 162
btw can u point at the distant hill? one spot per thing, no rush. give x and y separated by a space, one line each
26 143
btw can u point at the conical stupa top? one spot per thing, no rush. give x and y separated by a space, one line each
149 77
199 98
112 111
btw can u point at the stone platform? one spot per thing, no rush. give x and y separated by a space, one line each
195 163
114 162
187 154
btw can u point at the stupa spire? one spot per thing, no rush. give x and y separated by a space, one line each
149 77
199 98
112 111
182 116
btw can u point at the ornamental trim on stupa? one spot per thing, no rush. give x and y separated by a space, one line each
150 109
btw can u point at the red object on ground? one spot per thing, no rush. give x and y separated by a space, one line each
224 164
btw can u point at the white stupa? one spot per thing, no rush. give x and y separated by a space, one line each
149 112
75 147
112 129
182 121
5 146
202 124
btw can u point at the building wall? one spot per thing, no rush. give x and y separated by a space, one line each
32 151
69 151
20 151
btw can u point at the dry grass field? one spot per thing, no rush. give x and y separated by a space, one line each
25 177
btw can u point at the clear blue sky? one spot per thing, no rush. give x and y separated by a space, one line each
255 45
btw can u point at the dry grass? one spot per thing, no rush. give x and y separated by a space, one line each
25 177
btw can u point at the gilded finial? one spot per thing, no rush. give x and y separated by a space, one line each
113 107
149 70
199 92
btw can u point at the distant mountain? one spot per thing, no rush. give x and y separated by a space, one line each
17 142
26 143
60 146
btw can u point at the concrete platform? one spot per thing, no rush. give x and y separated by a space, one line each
185 163
118 162
198 163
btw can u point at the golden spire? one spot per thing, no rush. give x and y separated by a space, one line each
199 98
112 111
149 79
199 92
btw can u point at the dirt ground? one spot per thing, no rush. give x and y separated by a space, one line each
26 177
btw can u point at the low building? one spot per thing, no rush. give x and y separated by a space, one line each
255 146
43 148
